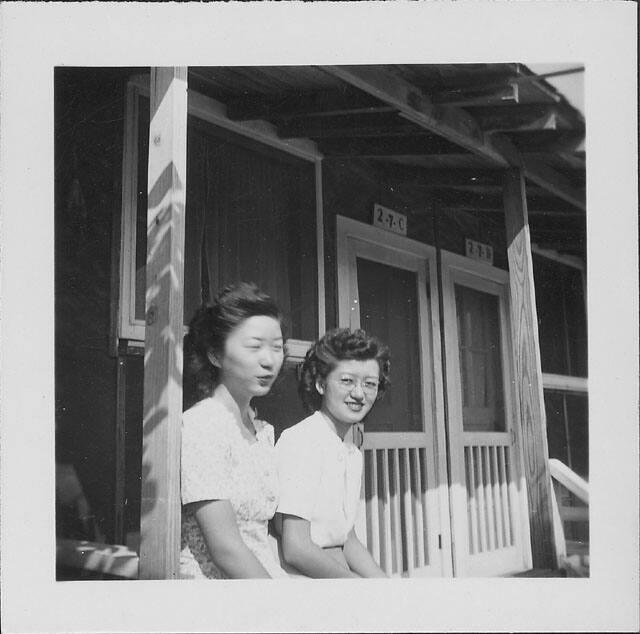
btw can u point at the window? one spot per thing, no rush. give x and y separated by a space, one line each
562 324
388 298
250 215
480 360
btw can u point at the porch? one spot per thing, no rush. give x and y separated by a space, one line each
476 162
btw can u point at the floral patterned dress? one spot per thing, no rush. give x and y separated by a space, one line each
219 463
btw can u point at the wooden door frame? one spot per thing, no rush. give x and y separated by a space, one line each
409 252
489 279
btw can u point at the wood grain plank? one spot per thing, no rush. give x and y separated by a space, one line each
528 374
397 533
418 511
473 502
374 509
386 506
160 501
482 511
408 511
488 496
504 496
497 497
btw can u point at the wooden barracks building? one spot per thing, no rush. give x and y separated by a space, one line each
440 207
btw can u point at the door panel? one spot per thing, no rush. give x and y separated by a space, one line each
384 283
488 503
478 322
388 301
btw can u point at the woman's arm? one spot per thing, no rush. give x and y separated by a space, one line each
301 553
359 558
230 554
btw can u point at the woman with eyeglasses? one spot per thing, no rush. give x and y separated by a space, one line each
319 467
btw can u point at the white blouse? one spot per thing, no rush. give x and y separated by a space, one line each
320 479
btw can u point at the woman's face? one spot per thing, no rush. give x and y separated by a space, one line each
349 390
252 357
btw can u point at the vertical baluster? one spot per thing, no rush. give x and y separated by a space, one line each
397 538
408 511
504 491
482 513
386 505
497 497
473 501
374 515
488 495
418 512
424 487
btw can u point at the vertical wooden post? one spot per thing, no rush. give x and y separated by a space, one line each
160 503
524 327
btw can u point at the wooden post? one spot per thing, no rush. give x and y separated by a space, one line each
530 398
160 503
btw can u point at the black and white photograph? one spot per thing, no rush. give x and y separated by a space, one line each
351 306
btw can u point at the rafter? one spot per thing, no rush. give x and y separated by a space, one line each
387 147
294 105
531 116
370 125
548 141
453 124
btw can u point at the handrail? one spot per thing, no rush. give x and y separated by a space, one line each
109 559
569 479
567 557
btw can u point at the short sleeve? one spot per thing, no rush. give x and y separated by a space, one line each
206 458
299 471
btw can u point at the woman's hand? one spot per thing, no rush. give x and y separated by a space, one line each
311 560
217 521
359 558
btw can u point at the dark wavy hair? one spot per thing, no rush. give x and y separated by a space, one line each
208 331
340 344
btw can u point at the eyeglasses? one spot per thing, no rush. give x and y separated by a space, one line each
348 384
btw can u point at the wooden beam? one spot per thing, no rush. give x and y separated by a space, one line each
298 104
528 376
530 116
435 177
345 126
497 95
548 141
554 182
386 147
160 501
452 123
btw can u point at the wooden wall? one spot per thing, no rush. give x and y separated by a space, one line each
89 111
89 129
352 187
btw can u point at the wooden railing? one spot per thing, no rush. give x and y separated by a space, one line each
488 501
573 554
396 498
569 479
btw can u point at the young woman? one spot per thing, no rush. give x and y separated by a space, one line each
343 375
229 486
